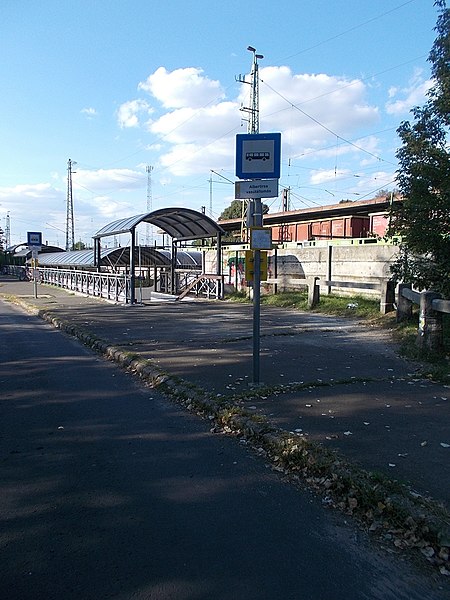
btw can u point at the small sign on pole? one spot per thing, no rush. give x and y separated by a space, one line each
34 243
259 188
260 238
34 238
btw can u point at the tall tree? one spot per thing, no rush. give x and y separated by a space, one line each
423 218
234 211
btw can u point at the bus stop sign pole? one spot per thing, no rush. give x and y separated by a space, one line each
256 208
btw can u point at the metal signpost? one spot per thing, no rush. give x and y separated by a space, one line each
34 243
258 159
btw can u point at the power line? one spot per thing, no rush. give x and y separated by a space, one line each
324 126
347 31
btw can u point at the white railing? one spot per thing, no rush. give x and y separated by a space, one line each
191 282
111 286
116 286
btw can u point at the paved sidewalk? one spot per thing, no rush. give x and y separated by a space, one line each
362 398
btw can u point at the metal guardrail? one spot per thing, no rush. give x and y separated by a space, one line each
357 285
411 295
440 305
432 306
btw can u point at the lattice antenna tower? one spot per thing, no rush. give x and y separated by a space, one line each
8 231
70 224
148 236
253 111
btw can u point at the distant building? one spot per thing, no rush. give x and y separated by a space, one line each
346 220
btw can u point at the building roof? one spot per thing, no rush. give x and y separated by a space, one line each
145 256
21 250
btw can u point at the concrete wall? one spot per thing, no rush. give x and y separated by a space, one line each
358 262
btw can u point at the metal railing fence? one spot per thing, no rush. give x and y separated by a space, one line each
111 286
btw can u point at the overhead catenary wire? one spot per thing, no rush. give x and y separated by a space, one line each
294 106
347 31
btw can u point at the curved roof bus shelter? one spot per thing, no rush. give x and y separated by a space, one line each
181 224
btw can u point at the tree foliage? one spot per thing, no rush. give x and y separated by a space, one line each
423 218
234 211
79 245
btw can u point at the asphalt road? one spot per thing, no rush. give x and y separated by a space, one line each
107 490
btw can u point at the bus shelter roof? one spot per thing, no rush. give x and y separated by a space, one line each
180 223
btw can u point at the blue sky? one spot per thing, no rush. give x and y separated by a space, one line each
119 85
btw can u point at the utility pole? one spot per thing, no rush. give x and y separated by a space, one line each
70 226
149 170
285 207
253 109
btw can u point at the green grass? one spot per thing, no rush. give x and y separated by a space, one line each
433 366
355 306
237 297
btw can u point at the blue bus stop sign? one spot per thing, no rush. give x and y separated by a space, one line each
34 238
258 155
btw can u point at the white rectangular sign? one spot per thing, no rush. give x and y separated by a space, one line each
257 188
260 238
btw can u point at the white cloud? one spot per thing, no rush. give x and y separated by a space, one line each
193 159
325 176
309 107
28 191
182 88
110 209
29 206
392 92
89 112
99 197
109 179
129 112
414 94
200 125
